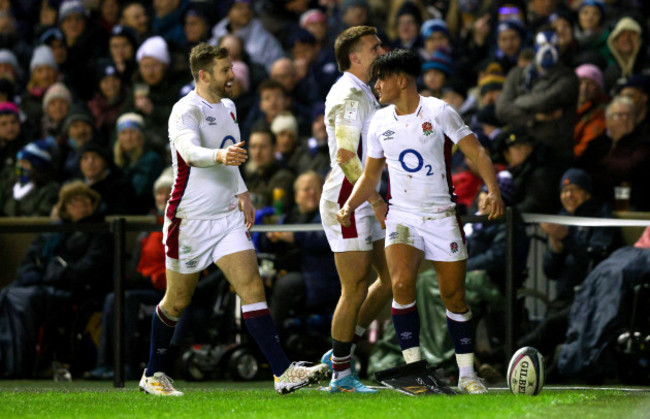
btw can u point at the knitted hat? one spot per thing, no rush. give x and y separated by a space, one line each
165 180
638 81
312 16
302 36
105 68
284 122
591 72
130 120
78 113
8 57
50 35
513 24
101 151
434 25
9 108
347 4
126 32
488 115
441 60
576 177
56 91
154 47
596 3
38 153
242 74
43 55
490 83
69 7
506 186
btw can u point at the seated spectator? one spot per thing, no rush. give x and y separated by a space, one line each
263 174
54 39
591 107
573 251
109 97
637 88
315 21
436 36
301 89
619 157
288 150
625 45
510 37
134 15
78 129
591 32
35 192
141 166
44 72
196 25
155 90
273 100
64 276
435 73
57 102
10 69
319 155
567 47
262 47
99 172
534 175
408 21
307 280
11 141
122 45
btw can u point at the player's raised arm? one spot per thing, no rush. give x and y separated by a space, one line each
473 150
363 189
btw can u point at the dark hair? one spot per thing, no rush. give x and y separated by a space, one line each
202 58
270 84
347 42
262 128
398 61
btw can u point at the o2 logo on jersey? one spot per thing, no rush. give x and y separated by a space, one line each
406 159
224 142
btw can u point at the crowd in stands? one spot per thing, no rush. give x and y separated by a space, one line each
87 86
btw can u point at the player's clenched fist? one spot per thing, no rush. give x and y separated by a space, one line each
343 216
233 155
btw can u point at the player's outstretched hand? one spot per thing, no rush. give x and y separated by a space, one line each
495 203
246 206
234 155
343 216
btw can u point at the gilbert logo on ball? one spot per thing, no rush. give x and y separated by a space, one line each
526 372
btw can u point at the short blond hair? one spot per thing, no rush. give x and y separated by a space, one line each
347 42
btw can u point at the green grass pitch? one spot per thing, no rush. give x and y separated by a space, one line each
83 399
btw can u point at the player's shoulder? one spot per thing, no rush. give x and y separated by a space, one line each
384 115
228 104
345 88
433 104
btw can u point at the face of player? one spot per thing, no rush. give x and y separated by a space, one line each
388 89
589 18
151 70
121 49
92 166
130 139
572 196
308 191
79 207
221 79
369 49
161 196
9 127
509 42
272 102
260 149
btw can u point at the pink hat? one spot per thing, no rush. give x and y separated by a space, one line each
591 72
312 16
241 73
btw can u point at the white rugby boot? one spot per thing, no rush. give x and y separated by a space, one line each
159 385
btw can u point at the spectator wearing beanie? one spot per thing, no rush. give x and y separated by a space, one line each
196 26
591 107
563 24
490 87
436 36
109 98
44 72
86 42
54 39
9 67
57 102
510 37
134 15
154 92
141 166
435 73
99 172
287 150
11 141
34 192
78 129
315 21
591 32
122 45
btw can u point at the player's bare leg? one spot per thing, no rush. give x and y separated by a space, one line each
451 281
403 263
241 270
178 295
380 292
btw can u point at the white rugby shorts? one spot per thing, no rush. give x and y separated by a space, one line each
439 236
363 231
192 245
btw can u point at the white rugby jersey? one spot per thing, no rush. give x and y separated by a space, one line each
203 189
350 103
417 148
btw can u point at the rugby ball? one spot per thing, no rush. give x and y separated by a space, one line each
526 372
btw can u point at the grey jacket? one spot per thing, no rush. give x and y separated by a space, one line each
558 89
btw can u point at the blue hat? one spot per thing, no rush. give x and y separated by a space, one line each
38 153
441 60
513 24
50 35
638 81
506 186
302 36
434 25
576 177
596 3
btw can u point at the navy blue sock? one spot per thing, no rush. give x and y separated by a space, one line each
162 330
260 325
407 324
461 331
